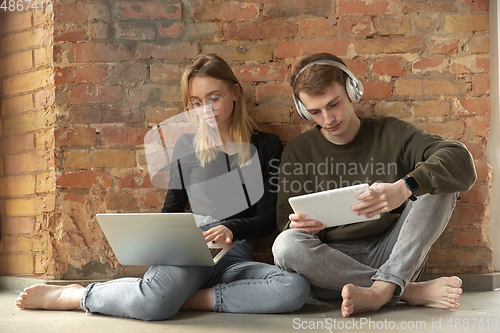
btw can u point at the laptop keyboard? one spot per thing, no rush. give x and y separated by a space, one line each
215 251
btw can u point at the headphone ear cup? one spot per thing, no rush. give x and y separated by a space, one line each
353 90
301 109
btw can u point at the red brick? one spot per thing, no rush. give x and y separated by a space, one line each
431 108
127 136
133 179
151 201
430 64
393 26
481 84
72 12
70 33
132 71
479 43
470 236
75 137
97 114
16 63
173 30
377 90
468 213
257 51
140 31
101 52
315 28
161 72
392 109
17 225
472 106
178 51
15 22
445 46
477 5
364 7
16 143
73 197
477 194
44 98
358 67
259 30
228 11
156 114
271 72
79 74
101 94
98 30
356 26
467 22
388 45
292 8
471 64
390 66
412 87
412 6
273 94
451 130
121 201
284 131
294 49
150 10
476 149
83 179
479 127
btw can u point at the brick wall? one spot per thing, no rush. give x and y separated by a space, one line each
76 142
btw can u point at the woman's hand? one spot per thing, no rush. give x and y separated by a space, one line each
382 198
218 233
300 222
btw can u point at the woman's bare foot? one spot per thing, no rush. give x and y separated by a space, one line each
441 293
42 296
361 299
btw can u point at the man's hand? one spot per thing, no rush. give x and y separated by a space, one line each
300 222
218 233
382 198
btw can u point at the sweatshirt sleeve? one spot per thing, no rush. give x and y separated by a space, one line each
263 223
438 165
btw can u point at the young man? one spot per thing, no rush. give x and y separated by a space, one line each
372 263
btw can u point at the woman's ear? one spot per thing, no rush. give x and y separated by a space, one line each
236 92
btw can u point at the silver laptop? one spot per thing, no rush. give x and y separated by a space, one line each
160 239
332 207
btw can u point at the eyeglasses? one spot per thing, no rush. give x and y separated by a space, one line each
214 101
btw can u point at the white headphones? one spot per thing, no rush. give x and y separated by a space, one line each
353 87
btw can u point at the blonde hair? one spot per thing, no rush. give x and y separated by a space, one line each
241 125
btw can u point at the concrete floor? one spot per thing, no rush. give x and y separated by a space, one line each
479 310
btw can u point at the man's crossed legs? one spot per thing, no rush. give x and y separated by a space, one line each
371 272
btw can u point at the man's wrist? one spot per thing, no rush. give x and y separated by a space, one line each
412 185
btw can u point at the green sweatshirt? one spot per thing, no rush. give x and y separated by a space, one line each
384 150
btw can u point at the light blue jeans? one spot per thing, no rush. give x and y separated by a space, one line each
397 256
239 285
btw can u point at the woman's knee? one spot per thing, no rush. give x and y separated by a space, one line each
296 290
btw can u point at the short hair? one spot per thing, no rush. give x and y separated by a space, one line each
315 79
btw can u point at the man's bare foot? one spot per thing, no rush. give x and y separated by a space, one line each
441 293
42 296
361 299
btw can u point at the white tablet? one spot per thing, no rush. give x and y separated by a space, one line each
333 207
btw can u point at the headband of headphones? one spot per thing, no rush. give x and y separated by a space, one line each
354 88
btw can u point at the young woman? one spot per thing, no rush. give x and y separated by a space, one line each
234 284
